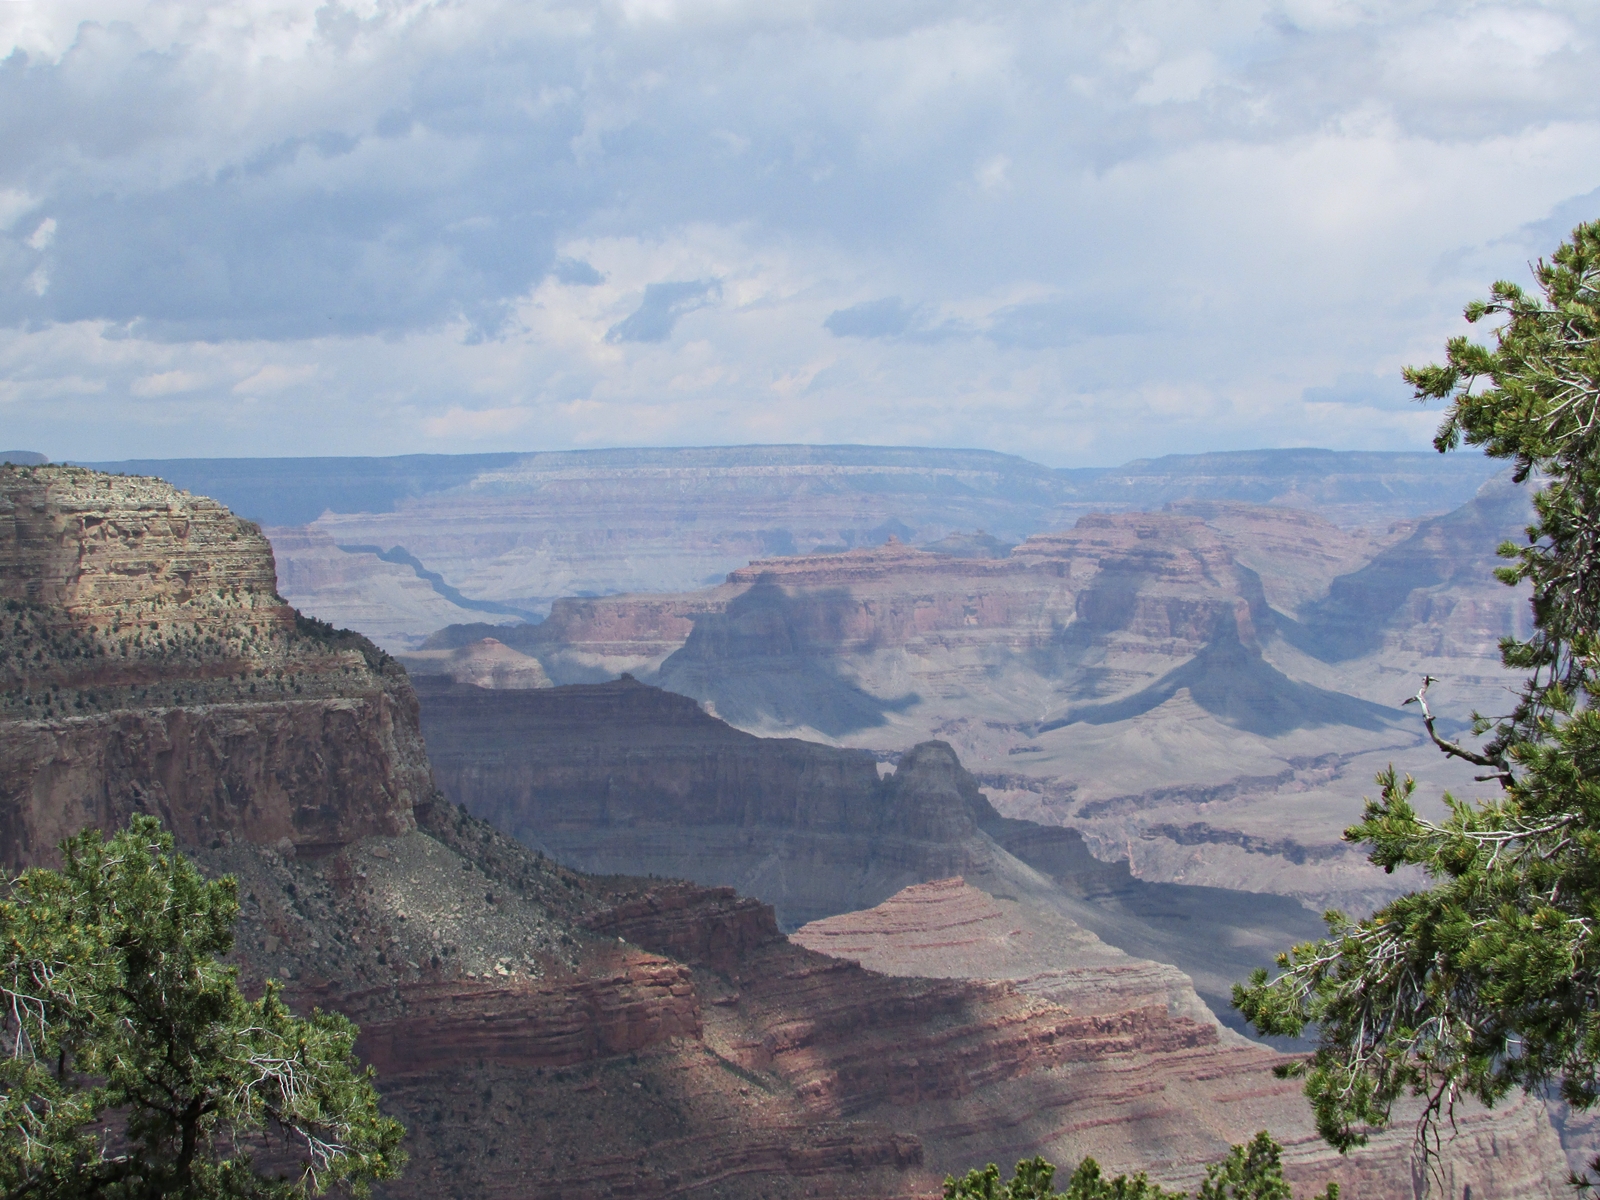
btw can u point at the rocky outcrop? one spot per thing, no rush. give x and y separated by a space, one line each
487 662
951 930
618 1003
621 778
704 927
948 929
148 664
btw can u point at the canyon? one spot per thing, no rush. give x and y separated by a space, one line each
400 547
543 1031
624 779
1200 691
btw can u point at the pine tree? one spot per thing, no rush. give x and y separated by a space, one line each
134 1067
1489 979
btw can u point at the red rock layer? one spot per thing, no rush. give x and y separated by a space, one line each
620 1003
703 927
1134 578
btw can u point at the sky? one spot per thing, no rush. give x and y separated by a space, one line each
1081 232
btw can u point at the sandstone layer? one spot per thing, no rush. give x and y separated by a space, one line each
148 664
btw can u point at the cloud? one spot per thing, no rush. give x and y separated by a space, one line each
662 306
889 317
892 318
274 377
1077 231
13 204
170 383
473 424
576 273
1387 392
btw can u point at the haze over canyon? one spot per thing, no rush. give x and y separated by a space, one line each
983 783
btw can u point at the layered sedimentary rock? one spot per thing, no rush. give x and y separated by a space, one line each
148 664
622 778
539 1031
588 1037
1178 684
525 529
388 601
487 662
948 929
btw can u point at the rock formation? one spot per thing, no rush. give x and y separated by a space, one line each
487 663
521 530
387 601
1182 686
148 664
539 1031
622 778
948 929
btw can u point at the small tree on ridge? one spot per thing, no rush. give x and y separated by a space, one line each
133 1067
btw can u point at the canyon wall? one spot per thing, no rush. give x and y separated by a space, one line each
148 664
515 531
547 1033
948 929
1202 691
621 778
541 1031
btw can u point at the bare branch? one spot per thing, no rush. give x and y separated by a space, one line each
1502 771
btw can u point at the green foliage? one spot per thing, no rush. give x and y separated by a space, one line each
134 1067
1253 1171
1489 980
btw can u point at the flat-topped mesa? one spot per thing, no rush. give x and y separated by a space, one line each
147 663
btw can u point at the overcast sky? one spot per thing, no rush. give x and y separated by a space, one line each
1081 232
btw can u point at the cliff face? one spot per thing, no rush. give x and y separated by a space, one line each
148 664
1116 676
622 778
542 1032
950 930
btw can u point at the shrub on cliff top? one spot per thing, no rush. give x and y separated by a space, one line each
1253 1171
1489 980
133 1067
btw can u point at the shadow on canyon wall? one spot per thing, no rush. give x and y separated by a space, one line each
623 778
1458 547
770 658
1235 684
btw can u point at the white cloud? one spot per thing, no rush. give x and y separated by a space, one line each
274 377
13 204
1178 80
1090 230
167 383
